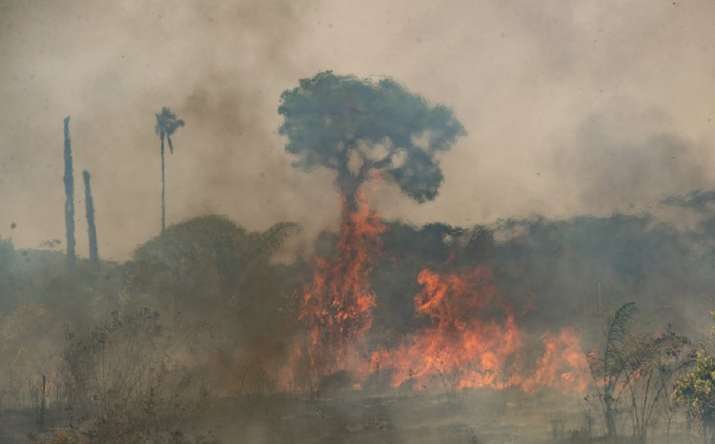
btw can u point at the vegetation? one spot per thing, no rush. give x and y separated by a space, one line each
696 391
634 375
357 127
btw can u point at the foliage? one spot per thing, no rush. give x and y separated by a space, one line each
696 389
202 263
124 383
28 347
216 281
346 123
641 366
166 124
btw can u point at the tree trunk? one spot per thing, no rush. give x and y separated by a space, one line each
163 187
91 227
349 183
69 195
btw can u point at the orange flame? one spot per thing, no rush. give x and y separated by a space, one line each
473 339
460 344
337 305
467 345
562 366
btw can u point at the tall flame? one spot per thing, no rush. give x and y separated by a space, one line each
337 305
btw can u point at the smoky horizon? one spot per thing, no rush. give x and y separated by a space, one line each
568 110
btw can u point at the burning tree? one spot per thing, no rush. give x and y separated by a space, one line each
359 128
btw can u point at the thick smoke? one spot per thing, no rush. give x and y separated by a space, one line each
586 125
522 78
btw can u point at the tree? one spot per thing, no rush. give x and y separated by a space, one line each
166 124
357 127
218 286
635 373
91 226
610 369
69 195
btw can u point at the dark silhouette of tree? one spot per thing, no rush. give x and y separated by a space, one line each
91 225
166 124
357 127
69 195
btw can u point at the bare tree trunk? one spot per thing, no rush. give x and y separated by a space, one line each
69 195
91 226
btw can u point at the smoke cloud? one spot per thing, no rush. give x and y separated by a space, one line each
569 109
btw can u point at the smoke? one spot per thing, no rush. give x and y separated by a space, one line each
618 159
696 200
578 108
523 79
220 65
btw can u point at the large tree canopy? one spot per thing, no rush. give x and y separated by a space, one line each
356 126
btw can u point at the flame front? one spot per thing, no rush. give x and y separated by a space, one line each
461 346
472 339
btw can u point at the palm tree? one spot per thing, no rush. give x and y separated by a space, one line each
166 124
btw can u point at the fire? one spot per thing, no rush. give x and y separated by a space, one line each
472 339
337 305
461 344
562 366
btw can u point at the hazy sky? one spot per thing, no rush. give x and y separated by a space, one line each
571 106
